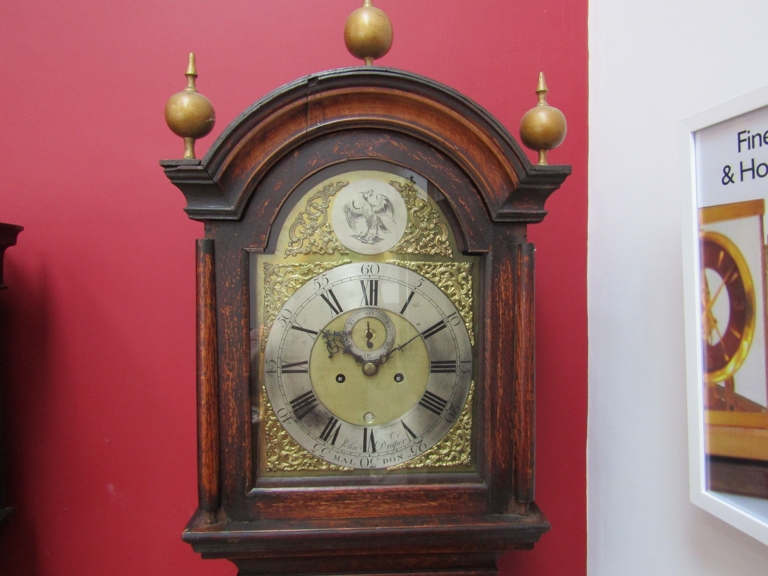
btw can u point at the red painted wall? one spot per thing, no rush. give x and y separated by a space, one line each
98 361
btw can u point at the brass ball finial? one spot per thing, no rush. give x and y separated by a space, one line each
543 127
188 113
368 33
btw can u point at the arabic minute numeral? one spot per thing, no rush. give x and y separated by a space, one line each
320 282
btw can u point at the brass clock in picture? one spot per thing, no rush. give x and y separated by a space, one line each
728 306
365 324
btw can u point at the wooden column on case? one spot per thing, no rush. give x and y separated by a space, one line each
207 382
523 435
511 359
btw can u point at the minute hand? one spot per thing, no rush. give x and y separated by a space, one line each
431 331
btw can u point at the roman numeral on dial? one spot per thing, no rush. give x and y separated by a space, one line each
433 403
408 431
370 292
442 366
410 297
369 444
331 431
303 404
301 329
434 329
333 303
295 367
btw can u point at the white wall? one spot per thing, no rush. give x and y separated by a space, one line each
652 62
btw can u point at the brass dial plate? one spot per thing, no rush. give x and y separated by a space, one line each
378 419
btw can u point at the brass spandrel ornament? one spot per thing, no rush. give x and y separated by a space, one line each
311 231
425 233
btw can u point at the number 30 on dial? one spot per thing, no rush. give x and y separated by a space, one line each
368 365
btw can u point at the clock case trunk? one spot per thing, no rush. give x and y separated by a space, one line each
428 524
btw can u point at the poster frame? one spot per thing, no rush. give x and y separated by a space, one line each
751 518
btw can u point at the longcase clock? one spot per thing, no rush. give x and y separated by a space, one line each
365 331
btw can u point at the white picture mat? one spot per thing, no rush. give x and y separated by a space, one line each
749 515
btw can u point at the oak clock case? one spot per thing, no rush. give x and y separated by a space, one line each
365 331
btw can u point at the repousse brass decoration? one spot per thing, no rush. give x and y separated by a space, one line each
188 113
543 127
425 234
283 453
455 281
281 281
454 449
311 233
368 33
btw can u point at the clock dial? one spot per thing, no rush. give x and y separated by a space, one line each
728 305
368 365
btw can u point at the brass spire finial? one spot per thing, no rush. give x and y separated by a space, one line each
368 33
188 113
543 127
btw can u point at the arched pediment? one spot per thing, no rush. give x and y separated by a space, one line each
512 189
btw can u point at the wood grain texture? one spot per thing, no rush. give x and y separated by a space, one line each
523 435
207 382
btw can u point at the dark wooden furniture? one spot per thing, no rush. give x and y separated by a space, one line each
437 523
8 234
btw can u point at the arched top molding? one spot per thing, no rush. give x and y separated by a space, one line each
219 186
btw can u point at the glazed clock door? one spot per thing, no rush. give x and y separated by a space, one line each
366 314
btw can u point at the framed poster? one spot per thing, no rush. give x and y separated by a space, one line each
725 188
